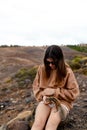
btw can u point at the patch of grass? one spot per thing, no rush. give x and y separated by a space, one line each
75 65
78 48
77 59
32 73
75 62
25 75
8 80
79 64
82 71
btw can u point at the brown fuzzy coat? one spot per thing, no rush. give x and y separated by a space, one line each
66 91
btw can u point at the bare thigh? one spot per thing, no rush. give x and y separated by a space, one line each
42 113
53 120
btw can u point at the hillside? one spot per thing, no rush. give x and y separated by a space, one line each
14 58
15 98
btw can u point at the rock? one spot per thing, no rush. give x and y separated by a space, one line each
25 116
3 127
22 121
19 125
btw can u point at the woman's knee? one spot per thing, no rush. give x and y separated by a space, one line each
38 125
53 121
51 126
41 115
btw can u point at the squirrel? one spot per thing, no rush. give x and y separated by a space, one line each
53 100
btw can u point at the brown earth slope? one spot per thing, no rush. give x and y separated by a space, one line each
14 99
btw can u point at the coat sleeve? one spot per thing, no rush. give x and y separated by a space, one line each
36 89
71 90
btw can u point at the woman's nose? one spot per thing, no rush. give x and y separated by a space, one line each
50 64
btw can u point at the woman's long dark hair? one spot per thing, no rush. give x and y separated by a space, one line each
55 52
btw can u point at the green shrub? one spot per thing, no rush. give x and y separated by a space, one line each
78 48
79 64
77 59
32 73
75 65
24 74
8 80
83 61
82 71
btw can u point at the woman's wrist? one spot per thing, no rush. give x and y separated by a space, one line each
57 92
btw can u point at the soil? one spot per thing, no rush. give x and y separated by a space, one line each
14 99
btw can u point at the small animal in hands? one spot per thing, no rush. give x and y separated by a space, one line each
53 100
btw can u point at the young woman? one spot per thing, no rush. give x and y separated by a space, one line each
53 79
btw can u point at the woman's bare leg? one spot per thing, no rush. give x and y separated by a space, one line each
53 120
42 113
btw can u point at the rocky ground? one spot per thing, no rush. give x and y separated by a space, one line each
15 99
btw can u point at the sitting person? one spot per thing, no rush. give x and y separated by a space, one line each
53 79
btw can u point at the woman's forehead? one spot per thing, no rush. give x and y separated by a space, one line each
50 59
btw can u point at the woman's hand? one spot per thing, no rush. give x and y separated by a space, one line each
45 101
49 92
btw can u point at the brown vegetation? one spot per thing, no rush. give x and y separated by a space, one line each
17 70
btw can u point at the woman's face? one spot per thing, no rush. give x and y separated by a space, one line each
51 63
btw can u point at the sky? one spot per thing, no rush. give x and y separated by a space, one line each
43 22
